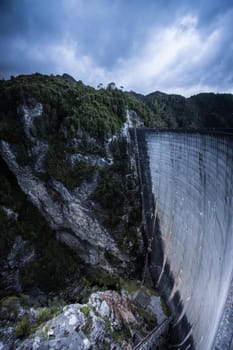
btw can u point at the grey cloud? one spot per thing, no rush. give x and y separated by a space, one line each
106 33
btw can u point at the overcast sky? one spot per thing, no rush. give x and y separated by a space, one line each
179 46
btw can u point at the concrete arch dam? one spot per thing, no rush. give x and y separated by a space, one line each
187 192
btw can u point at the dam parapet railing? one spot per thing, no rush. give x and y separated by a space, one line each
155 337
204 131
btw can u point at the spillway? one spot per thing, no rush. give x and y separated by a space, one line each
187 185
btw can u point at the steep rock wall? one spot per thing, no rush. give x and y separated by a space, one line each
187 188
74 224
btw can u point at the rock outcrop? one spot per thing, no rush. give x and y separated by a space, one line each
21 253
69 213
108 320
74 224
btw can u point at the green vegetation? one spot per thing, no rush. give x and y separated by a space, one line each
85 310
132 286
59 169
72 109
22 329
110 192
206 110
118 196
110 195
55 263
88 325
100 278
9 308
25 327
165 307
120 336
45 314
10 305
149 320
137 103
68 106
54 266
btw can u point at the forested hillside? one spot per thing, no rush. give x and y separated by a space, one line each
206 110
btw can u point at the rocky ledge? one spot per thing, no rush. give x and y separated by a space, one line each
109 320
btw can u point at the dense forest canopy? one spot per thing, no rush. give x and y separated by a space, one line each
71 105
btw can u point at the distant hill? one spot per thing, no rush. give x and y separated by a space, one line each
205 110
101 111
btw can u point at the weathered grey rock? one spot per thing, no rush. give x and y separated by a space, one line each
155 308
101 306
81 327
10 213
117 308
39 149
142 299
75 225
109 320
89 159
133 120
39 152
28 115
84 191
60 332
6 336
21 253
151 304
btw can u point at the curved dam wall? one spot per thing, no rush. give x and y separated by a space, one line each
187 185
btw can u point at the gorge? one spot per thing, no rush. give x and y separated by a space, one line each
95 186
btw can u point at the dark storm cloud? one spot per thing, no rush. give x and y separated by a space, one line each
180 45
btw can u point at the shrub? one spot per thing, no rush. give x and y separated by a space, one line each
22 329
55 264
85 310
59 169
45 315
88 325
9 307
110 195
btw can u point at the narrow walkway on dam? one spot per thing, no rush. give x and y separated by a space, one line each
155 337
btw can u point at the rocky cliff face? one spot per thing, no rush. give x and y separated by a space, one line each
21 253
74 224
68 212
68 179
105 321
78 217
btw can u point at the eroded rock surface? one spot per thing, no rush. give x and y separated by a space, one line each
75 225
108 319
21 253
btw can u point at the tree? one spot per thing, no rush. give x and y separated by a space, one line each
100 86
111 86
